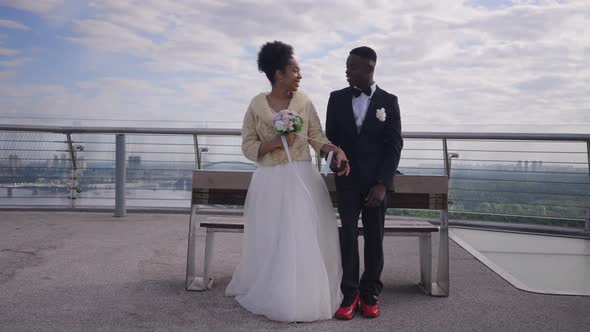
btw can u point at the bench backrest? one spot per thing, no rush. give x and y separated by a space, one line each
410 191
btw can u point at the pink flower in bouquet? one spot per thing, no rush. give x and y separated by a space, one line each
287 122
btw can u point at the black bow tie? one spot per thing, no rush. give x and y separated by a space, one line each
358 91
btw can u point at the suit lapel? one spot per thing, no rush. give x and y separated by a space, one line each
371 110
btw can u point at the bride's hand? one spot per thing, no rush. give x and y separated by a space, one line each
342 163
291 138
277 142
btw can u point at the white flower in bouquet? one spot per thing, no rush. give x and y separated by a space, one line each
287 122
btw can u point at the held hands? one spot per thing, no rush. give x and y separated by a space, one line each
375 196
339 164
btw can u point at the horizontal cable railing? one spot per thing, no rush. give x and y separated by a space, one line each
494 176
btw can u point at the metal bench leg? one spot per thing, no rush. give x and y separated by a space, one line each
441 286
193 281
190 255
208 282
426 263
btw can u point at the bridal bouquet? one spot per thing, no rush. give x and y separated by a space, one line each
287 122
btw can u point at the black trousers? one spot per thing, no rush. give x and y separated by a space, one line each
351 202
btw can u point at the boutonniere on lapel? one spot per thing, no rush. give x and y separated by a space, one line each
381 116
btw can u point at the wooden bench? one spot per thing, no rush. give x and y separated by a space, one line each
229 188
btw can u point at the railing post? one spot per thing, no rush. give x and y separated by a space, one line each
73 181
441 287
587 225
120 176
447 161
197 152
318 159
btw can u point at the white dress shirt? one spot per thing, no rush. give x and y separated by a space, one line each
360 105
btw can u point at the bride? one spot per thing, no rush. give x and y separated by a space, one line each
290 269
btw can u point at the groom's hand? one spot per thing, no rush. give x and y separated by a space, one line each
376 196
344 168
339 164
334 166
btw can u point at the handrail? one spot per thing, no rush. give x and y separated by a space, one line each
237 132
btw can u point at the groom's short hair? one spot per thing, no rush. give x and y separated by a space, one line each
366 53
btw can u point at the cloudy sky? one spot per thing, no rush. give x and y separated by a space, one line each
485 65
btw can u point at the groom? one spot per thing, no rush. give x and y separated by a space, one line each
364 121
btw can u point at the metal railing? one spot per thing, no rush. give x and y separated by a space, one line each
495 176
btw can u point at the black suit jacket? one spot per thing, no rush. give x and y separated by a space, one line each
374 152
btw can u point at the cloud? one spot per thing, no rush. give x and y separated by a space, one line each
7 75
109 36
450 62
8 51
13 25
14 63
123 86
35 6
447 73
543 83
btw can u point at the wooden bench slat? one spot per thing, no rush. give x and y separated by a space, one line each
410 191
240 180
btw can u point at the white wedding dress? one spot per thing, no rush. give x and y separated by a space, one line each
290 269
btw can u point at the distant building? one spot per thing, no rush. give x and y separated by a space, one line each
14 161
134 171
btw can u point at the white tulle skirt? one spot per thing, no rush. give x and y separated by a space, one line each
290 269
